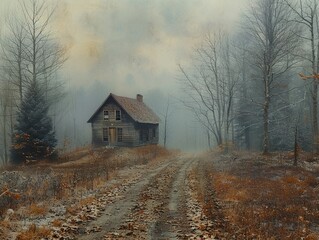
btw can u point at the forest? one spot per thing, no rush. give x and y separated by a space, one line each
257 88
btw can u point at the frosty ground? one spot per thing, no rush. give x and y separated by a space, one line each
151 193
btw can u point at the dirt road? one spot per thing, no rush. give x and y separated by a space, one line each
151 202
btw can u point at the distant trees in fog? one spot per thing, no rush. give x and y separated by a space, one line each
210 86
274 39
245 87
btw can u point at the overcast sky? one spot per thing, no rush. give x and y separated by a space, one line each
134 45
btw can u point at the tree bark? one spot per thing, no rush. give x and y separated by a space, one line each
296 147
266 116
5 145
315 116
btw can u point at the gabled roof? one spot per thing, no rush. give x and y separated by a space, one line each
138 110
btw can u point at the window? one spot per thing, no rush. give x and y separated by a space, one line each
144 135
118 115
147 134
154 132
106 115
105 135
119 134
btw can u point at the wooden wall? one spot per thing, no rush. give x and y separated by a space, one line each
131 131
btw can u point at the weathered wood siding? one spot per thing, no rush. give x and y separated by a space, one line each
133 134
148 133
126 124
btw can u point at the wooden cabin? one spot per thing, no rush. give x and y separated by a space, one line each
124 122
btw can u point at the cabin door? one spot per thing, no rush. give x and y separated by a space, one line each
112 133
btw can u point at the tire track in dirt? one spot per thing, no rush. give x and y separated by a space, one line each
161 203
116 213
204 211
172 223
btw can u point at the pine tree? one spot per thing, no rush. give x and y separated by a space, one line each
33 138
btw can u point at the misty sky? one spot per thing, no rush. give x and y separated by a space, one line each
134 45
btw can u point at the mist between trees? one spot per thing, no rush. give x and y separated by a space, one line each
245 87
253 88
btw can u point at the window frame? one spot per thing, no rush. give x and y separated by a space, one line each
154 133
120 115
104 115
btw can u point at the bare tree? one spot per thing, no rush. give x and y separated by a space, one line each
243 110
274 41
30 52
6 110
166 116
210 86
306 14
12 55
43 56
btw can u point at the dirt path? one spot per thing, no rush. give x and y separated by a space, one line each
171 199
152 207
172 223
117 212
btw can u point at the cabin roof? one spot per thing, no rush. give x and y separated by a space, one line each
138 110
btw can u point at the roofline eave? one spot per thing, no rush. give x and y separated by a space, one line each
147 122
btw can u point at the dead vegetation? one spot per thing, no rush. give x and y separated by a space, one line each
30 186
235 196
35 233
207 219
265 197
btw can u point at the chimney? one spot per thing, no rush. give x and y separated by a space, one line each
139 97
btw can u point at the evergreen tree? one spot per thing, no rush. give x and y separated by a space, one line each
33 138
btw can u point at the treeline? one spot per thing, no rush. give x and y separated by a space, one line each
257 88
30 57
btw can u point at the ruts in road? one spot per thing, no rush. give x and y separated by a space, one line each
154 201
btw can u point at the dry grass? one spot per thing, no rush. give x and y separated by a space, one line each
34 233
57 222
5 227
269 201
37 210
5 224
75 173
74 209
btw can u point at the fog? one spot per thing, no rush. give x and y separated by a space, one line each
129 47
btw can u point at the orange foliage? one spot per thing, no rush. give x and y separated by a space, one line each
57 223
34 233
269 207
37 210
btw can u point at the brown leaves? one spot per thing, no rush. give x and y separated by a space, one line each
6 192
34 233
271 203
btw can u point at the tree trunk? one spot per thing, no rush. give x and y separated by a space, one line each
5 136
165 131
266 128
315 100
266 116
226 140
209 140
315 116
296 147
